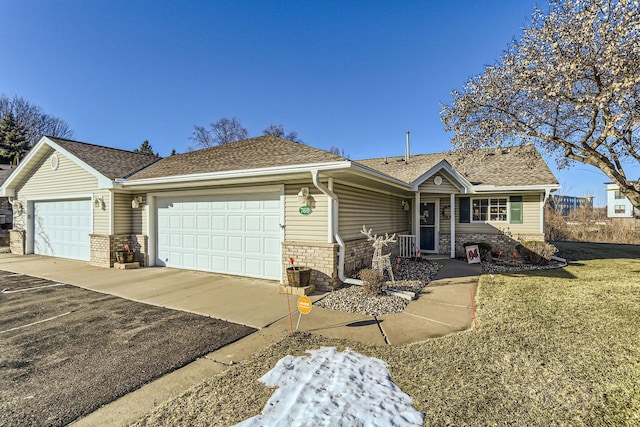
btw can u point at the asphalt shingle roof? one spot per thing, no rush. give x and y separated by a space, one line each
255 153
5 171
110 162
513 166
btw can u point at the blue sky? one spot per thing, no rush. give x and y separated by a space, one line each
351 74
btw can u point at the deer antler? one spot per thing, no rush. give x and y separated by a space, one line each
368 233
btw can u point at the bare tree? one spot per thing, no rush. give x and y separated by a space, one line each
33 119
338 151
221 132
279 131
570 85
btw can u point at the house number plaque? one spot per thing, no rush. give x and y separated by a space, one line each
305 210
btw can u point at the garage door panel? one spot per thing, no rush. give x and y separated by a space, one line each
235 244
218 223
62 228
253 246
235 223
253 224
219 243
236 234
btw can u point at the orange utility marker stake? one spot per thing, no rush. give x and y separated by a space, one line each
473 310
289 309
304 307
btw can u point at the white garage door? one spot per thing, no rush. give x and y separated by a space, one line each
235 234
62 228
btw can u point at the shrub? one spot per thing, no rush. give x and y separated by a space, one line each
536 252
373 282
484 248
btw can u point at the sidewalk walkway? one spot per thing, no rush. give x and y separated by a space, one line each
442 308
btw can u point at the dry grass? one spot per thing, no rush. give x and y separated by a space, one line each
557 347
583 225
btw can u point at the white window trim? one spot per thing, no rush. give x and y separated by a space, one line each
487 221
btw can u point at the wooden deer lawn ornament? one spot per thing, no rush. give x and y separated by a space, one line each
380 262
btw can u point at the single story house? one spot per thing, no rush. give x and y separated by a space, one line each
246 207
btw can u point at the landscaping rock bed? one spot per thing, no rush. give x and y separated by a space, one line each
410 276
492 267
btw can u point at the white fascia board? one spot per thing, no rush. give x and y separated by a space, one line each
509 188
246 173
444 165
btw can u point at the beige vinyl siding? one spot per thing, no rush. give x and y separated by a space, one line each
305 228
67 179
381 212
447 185
122 213
530 217
445 223
101 216
139 216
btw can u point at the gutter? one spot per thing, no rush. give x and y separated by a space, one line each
334 227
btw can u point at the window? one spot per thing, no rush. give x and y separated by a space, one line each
618 195
489 210
619 209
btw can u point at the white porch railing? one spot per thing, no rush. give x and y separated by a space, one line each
407 246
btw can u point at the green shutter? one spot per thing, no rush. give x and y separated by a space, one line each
515 204
465 210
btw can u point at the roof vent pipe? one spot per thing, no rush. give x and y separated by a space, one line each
407 152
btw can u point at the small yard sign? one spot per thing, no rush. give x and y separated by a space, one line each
304 304
305 210
473 254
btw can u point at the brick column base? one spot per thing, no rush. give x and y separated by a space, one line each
104 247
17 241
322 258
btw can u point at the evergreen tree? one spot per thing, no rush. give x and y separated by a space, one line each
14 143
145 148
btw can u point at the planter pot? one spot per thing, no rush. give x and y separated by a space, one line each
298 276
125 256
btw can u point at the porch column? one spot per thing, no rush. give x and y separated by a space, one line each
453 225
416 219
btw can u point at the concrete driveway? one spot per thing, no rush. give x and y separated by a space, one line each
247 301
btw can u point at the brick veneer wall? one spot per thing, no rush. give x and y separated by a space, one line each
104 247
322 258
17 241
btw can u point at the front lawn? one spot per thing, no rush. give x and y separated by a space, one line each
553 347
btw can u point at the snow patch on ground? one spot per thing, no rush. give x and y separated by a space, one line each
332 388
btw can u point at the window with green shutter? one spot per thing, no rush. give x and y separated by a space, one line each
515 203
465 210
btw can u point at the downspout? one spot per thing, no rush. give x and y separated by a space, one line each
334 227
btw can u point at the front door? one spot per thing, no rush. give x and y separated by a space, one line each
428 226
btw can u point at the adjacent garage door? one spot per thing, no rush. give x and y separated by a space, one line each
235 234
62 228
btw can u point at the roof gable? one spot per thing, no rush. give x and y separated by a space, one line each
106 164
255 153
112 163
507 167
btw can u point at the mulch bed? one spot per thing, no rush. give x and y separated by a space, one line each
100 347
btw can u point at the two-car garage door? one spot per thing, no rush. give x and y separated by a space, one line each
235 234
